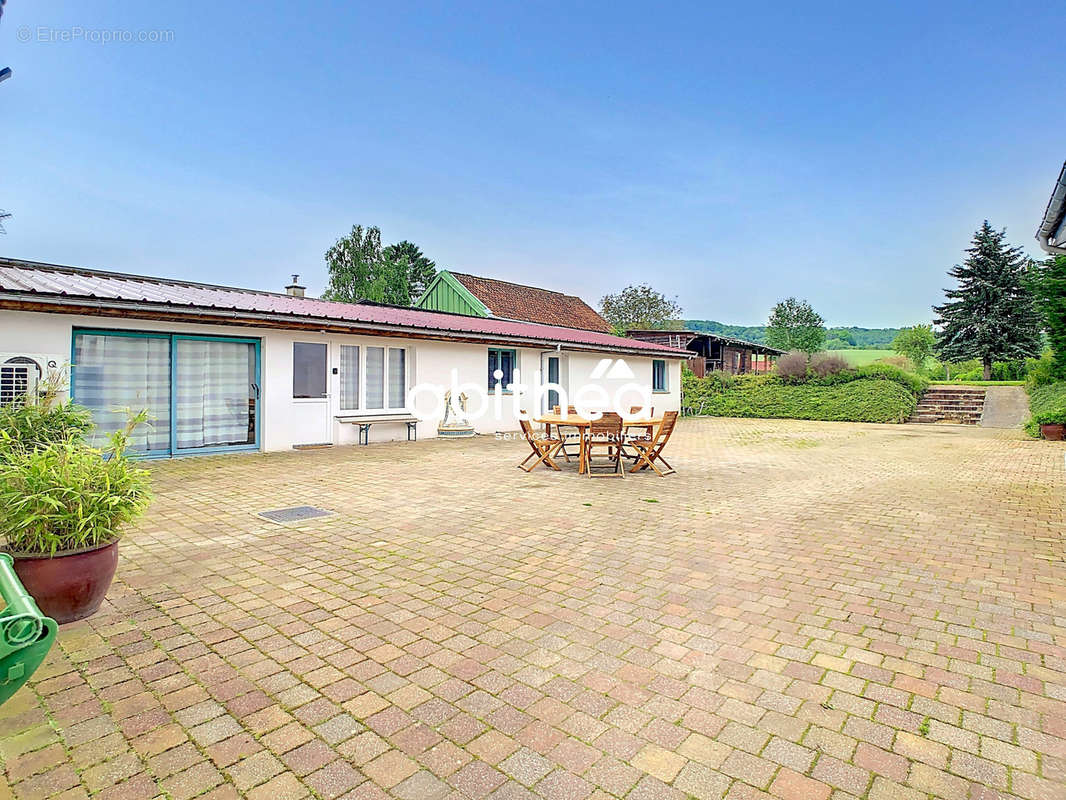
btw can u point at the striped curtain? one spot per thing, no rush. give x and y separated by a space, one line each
114 374
349 377
214 381
397 377
375 377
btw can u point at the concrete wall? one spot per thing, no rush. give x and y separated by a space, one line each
286 421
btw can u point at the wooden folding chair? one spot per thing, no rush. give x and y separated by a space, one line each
542 445
642 432
569 439
605 433
649 451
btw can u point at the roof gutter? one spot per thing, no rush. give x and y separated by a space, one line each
74 305
1052 231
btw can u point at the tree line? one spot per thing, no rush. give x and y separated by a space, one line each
836 338
1003 307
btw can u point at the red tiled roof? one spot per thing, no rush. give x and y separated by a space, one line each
528 303
56 286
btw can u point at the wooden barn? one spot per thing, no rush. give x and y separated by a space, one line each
712 351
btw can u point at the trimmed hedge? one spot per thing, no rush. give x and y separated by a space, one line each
862 400
870 393
915 384
1047 405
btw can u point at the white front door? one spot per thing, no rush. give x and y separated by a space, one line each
310 422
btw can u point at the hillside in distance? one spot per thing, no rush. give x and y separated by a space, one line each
838 338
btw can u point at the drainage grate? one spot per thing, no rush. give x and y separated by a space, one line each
295 514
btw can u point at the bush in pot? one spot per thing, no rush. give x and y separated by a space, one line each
39 420
1051 425
63 508
1047 405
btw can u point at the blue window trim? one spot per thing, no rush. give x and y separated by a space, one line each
174 451
666 376
514 363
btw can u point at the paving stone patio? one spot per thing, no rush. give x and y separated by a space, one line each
806 611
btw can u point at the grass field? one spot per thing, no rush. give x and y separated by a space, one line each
859 357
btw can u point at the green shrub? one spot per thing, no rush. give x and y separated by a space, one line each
915 384
40 421
1001 371
65 495
856 400
948 370
696 391
960 382
866 400
1047 404
870 393
1041 371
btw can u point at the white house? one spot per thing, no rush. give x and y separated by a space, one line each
223 369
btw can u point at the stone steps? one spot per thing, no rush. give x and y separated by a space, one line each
962 405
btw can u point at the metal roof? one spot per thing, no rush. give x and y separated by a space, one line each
1052 231
59 286
718 337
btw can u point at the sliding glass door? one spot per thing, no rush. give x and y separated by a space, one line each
216 390
115 373
201 392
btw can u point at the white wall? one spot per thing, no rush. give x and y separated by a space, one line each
286 421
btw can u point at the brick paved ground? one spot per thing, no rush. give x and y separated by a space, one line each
809 610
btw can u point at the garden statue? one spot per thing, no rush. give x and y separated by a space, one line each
459 427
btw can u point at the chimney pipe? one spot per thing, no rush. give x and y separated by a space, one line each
294 289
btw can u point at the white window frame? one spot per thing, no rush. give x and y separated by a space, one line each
363 382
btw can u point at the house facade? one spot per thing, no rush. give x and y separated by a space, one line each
1052 231
460 293
223 369
711 352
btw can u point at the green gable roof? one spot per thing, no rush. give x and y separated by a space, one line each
445 293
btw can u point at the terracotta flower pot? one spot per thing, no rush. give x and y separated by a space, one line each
69 586
1052 431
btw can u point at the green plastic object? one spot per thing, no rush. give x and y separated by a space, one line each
26 635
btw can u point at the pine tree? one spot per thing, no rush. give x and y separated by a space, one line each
420 269
1050 288
991 314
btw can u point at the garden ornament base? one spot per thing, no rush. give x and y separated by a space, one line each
69 586
26 635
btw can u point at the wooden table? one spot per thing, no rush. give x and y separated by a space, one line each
582 424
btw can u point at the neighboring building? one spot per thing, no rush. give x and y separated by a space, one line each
712 352
459 293
223 369
1052 231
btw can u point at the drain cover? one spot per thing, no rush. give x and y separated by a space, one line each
295 514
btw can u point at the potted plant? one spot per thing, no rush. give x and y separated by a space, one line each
1052 424
63 508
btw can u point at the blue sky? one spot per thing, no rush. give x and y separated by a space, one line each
727 154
